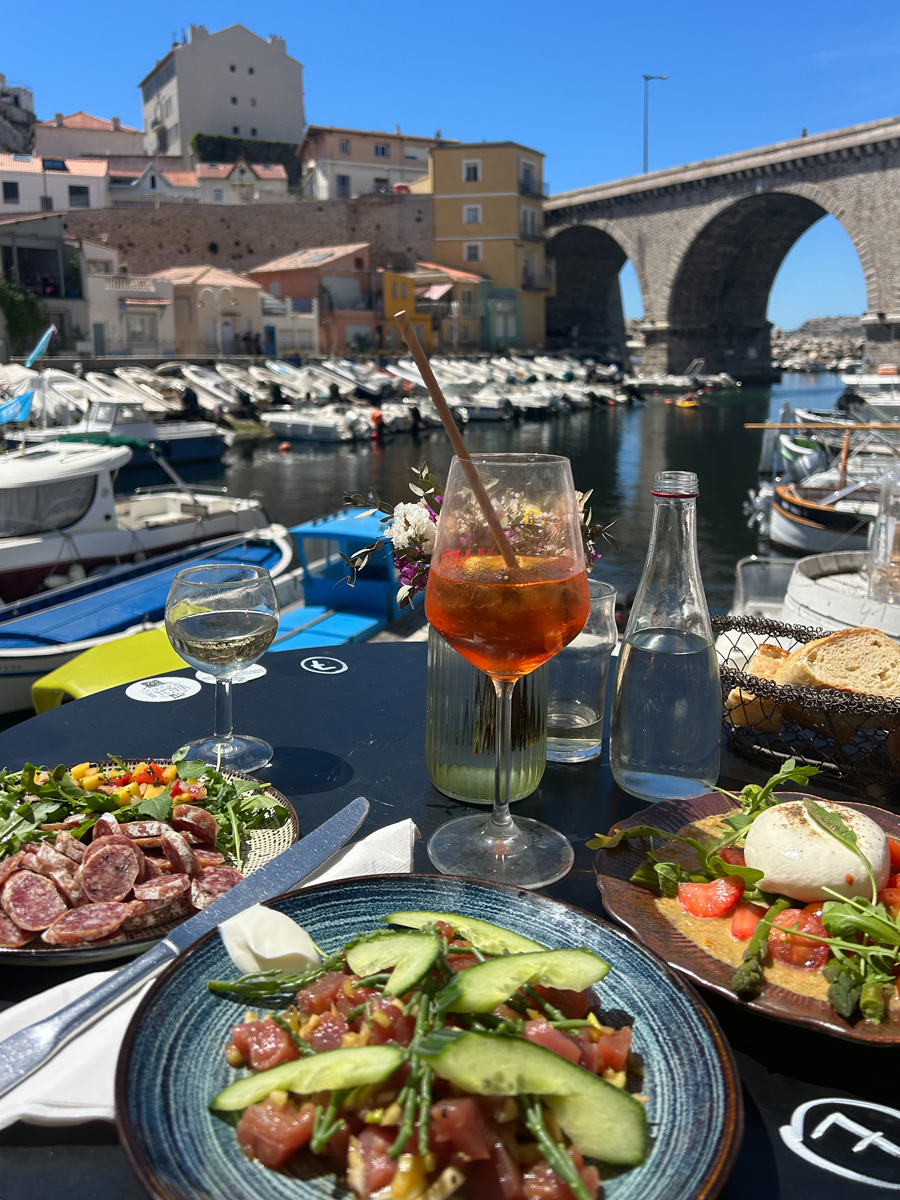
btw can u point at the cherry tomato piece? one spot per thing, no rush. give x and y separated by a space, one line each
713 899
733 856
798 951
894 851
890 898
745 920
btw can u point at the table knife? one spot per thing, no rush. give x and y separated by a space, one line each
22 1053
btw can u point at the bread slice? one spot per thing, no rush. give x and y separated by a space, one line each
766 661
747 711
860 660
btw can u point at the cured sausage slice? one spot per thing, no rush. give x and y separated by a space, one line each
104 844
154 866
53 859
213 882
190 819
106 826
169 887
143 829
149 843
32 901
70 846
14 863
92 923
111 872
70 890
178 852
208 858
174 911
11 936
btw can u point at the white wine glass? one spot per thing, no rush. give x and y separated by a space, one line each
221 619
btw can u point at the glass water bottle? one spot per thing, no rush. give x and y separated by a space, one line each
667 708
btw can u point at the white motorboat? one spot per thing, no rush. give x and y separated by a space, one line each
486 404
176 441
327 424
165 391
115 388
61 398
241 379
59 517
314 382
214 394
15 379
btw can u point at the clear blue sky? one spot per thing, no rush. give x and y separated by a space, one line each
564 79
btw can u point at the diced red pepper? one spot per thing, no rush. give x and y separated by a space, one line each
119 780
177 788
152 773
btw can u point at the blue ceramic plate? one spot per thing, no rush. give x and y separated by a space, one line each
173 1062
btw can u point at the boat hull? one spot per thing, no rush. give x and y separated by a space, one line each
808 528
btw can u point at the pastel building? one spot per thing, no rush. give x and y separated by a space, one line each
129 314
140 183
29 184
341 164
217 312
80 135
232 83
455 302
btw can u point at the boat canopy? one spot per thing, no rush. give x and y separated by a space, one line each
53 461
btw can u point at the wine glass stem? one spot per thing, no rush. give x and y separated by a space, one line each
501 823
224 722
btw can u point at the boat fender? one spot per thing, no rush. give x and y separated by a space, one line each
284 447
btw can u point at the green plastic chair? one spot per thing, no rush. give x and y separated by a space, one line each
122 660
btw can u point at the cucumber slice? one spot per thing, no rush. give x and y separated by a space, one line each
605 1122
411 955
492 939
482 987
318 1073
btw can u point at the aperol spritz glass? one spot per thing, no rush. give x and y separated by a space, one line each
507 620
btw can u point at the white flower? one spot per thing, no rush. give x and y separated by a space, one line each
412 526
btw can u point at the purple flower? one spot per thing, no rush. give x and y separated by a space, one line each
431 512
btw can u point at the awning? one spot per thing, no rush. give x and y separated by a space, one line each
133 302
436 291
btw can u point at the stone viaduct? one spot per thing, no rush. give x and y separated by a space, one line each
706 241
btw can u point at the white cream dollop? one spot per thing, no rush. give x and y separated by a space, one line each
799 859
262 939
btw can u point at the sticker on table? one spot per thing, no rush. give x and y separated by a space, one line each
248 673
834 1133
321 665
162 689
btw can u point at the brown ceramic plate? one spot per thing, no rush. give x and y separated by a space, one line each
262 845
635 908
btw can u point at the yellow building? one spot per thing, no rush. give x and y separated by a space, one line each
399 295
488 218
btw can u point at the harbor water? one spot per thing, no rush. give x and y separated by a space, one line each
614 451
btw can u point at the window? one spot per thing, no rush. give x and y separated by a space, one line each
466 334
29 510
343 187
79 197
403 291
140 330
499 326
99 266
234 99
471 170
232 68
472 251
10 193
253 102
468 302
471 214
451 333
528 181
235 130
253 131
393 289
529 222
382 150
46 204
153 182
251 70
54 164
162 141
344 146
218 195
358 264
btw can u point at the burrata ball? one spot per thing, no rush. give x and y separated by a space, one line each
799 859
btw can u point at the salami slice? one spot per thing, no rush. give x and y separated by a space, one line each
11 936
208 858
174 911
149 843
92 923
190 819
53 859
14 863
213 882
154 866
143 829
169 887
106 826
71 892
111 873
32 901
178 852
70 846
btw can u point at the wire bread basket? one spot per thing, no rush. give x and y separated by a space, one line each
854 739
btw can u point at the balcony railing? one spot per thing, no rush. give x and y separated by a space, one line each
533 187
303 305
335 304
438 308
531 233
540 281
129 283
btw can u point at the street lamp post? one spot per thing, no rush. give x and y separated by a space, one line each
216 294
646 79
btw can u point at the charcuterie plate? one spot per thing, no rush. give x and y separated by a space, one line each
273 832
172 1061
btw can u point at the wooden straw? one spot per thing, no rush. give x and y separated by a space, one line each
459 446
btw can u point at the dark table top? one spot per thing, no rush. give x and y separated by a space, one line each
362 732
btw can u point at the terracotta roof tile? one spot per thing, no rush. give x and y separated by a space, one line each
180 178
206 274
223 170
314 256
453 272
83 120
30 165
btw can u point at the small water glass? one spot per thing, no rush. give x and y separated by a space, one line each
577 687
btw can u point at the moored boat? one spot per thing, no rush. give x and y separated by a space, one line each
811 519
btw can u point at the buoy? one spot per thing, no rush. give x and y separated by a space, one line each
284 447
669 400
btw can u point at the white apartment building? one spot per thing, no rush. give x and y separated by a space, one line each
81 135
340 164
129 314
230 83
29 184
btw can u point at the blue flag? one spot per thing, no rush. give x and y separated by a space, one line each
41 347
16 409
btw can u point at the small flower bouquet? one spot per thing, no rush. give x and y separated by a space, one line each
410 529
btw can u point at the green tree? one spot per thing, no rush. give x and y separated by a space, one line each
21 310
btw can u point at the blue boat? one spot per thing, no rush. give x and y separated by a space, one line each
39 634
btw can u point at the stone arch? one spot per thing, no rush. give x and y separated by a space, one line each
587 309
722 273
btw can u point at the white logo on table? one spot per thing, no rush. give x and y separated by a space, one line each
248 673
866 1138
323 666
162 690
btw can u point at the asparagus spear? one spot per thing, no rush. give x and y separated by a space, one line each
749 975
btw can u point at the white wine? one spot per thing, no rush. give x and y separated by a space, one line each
224 641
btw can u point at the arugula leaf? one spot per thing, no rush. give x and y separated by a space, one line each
157 808
191 769
846 918
180 753
601 842
832 823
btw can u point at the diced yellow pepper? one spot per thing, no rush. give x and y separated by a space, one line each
170 773
141 766
80 771
153 790
90 783
134 789
123 797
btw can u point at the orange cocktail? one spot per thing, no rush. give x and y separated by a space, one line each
507 622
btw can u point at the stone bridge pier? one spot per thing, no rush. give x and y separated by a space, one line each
707 240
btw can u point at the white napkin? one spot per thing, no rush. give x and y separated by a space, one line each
77 1084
